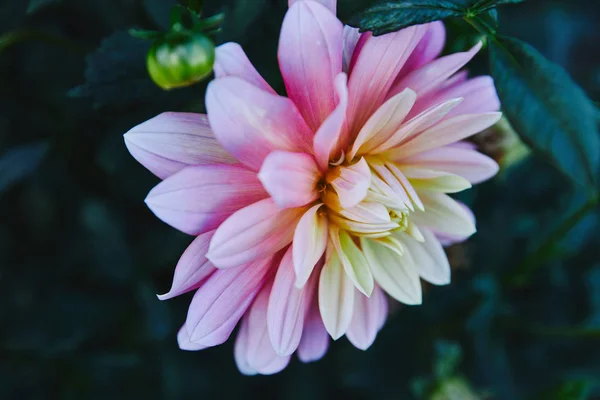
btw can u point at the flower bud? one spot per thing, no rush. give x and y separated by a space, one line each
180 59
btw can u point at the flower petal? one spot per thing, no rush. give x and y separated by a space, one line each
395 273
431 75
350 39
429 257
367 318
449 131
354 262
183 340
231 60
470 164
382 125
171 141
290 178
308 246
428 49
253 232
250 122
310 57
336 295
288 306
438 181
198 198
375 68
253 351
330 4
352 183
222 300
193 267
315 340
331 137
444 215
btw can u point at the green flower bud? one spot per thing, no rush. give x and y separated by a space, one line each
180 59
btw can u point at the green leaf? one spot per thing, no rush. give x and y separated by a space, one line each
37 5
572 390
550 112
20 162
392 15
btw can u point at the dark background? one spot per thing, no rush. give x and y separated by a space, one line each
81 257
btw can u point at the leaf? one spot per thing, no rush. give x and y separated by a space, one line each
392 15
550 112
571 390
36 5
20 162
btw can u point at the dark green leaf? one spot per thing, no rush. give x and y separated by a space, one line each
390 16
484 5
36 5
20 162
573 390
548 109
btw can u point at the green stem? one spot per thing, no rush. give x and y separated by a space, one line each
535 260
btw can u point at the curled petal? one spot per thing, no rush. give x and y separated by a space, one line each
310 57
315 340
183 340
354 262
471 165
332 134
438 181
336 296
253 351
182 201
429 256
308 246
352 183
198 198
395 273
448 131
369 312
193 267
171 141
375 68
444 215
231 60
350 40
250 122
222 300
252 233
288 306
430 76
428 49
290 178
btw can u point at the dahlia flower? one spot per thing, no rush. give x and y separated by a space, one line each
312 210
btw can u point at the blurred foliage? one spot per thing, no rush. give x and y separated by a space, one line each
81 257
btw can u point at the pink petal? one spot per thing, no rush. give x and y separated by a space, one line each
193 267
250 122
230 60
330 4
332 136
449 131
183 340
290 178
254 232
479 96
171 141
446 238
445 216
222 300
310 57
352 183
350 40
470 164
315 339
310 241
198 198
375 69
253 351
288 306
430 76
428 49
429 256
369 312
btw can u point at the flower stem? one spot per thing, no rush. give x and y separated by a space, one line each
525 270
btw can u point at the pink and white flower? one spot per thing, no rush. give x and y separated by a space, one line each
310 210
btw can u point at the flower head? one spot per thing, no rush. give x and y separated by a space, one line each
310 210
